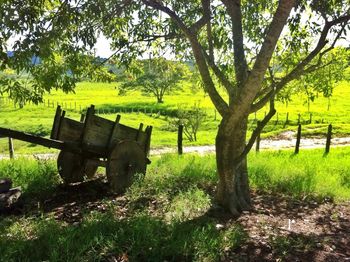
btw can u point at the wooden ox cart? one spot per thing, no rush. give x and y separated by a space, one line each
92 142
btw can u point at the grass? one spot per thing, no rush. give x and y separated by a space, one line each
161 217
307 174
38 119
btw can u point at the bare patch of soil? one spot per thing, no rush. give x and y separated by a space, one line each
281 228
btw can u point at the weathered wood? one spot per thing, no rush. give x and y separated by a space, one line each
147 144
257 145
287 120
276 119
142 139
7 199
90 167
310 119
82 118
32 138
179 139
115 125
11 149
60 124
97 131
297 144
5 184
125 161
123 132
56 123
70 167
329 137
139 131
70 130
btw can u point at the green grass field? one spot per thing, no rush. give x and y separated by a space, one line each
161 217
132 107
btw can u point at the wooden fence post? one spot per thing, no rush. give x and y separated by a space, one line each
298 119
257 145
11 150
310 120
297 145
179 139
329 137
214 114
276 119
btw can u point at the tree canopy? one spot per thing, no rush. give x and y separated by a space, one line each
155 77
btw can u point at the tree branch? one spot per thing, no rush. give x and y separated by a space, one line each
209 85
207 13
257 131
199 24
300 70
241 67
255 78
220 75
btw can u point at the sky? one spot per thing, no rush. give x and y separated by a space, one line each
103 47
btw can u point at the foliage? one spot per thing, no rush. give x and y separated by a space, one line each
322 81
155 77
191 119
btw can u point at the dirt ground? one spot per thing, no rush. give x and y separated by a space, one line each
279 227
284 229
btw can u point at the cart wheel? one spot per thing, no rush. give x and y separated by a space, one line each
90 168
70 167
125 160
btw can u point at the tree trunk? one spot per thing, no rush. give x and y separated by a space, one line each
233 187
159 99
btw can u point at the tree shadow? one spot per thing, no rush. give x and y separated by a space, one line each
101 226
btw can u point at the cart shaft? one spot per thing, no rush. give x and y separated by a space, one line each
4 132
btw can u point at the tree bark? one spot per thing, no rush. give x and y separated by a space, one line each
159 100
233 187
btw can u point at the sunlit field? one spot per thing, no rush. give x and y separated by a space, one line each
135 108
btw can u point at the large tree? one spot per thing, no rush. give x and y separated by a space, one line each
252 49
156 77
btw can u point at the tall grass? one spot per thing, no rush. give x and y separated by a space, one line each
308 173
37 178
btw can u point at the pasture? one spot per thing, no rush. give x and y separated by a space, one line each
135 108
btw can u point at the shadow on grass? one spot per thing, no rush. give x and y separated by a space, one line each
102 237
84 222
